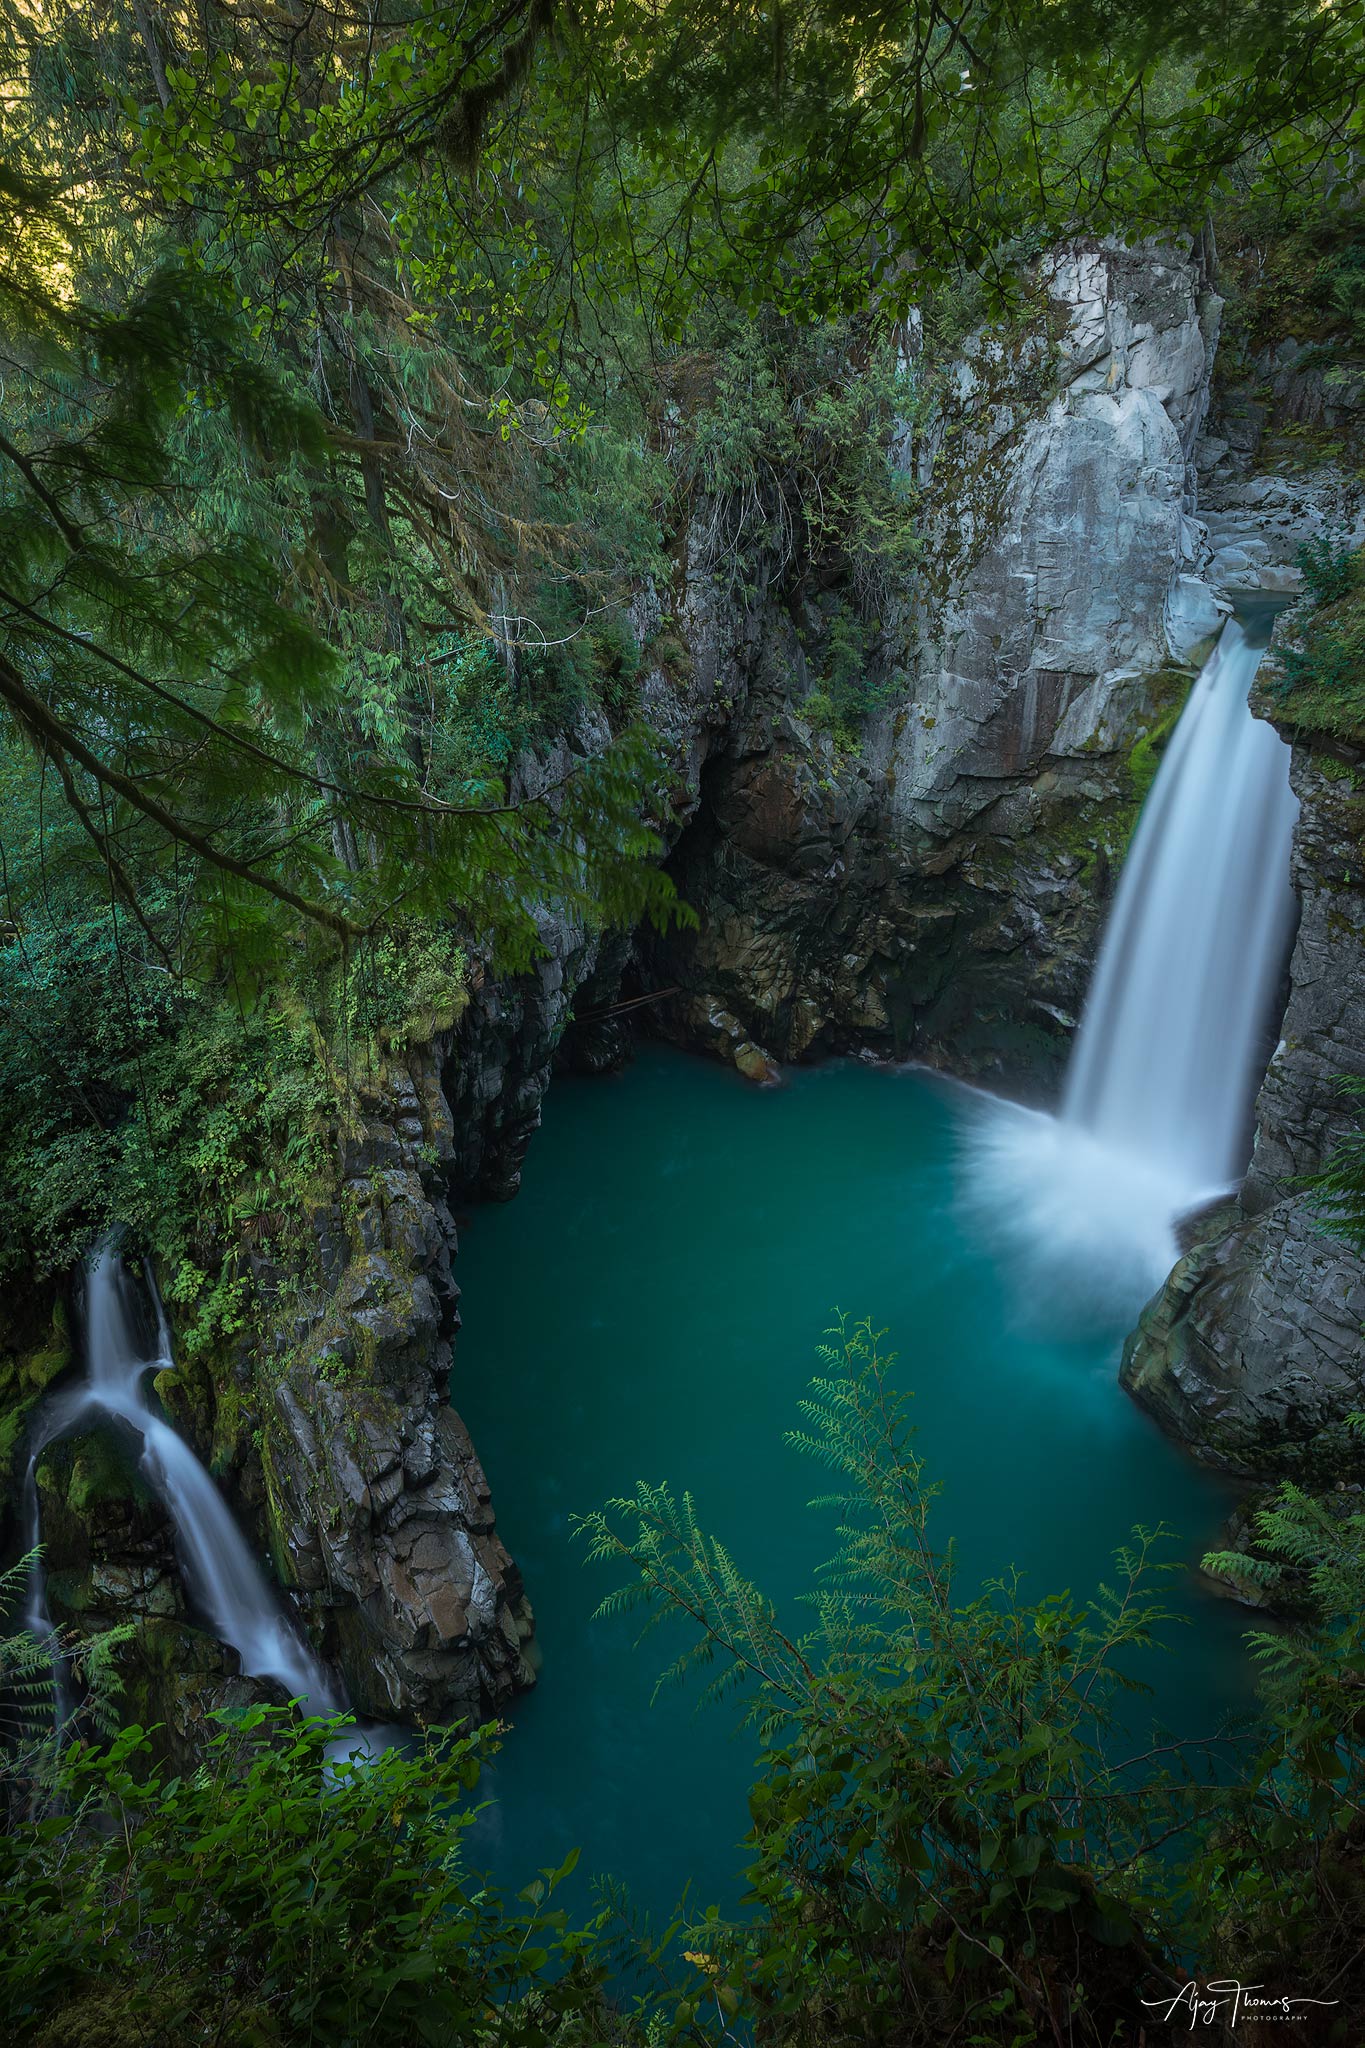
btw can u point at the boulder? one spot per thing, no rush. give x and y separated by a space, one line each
1252 1352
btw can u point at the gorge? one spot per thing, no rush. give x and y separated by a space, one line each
848 1183
682 719
1154 1119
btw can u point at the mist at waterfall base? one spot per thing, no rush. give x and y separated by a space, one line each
1155 1121
649 1307
221 1574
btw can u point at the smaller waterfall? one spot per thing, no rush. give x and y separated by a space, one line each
1156 1113
220 1570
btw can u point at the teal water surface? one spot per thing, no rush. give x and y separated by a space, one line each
648 1307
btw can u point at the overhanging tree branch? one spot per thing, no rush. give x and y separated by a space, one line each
52 732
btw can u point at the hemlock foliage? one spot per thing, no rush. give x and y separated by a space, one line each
361 374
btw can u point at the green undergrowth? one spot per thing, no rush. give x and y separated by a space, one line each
1296 271
851 682
208 1127
1320 686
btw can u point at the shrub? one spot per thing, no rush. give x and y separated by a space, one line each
1322 678
943 1844
276 1897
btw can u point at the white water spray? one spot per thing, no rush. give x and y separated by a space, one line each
221 1572
1156 1114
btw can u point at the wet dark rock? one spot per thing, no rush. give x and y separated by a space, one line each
108 1546
1254 1352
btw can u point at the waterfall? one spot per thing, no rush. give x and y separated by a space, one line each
1156 1110
223 1576
1173 1037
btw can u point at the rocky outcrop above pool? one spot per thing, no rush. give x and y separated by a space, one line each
379 1512
933 883
1254 1351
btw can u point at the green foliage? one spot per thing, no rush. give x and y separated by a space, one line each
1331 569
1321 685
785 451
27 1688
156 1105
406 985
949 1837
274 1896
208 1129
1290 267
1276 1882
943 1836
31 1730
850 686
1339 1189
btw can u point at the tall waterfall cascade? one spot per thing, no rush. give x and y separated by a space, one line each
222 1575
1172 1040
1156 1112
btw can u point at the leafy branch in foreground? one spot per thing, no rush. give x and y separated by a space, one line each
945 1832
1278 1881
27 1689
33 1723
279 1895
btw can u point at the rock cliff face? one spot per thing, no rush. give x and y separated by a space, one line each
937 888
936 892
336 1447
1279 464
1254 1352
378 1509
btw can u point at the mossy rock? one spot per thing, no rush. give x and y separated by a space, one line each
174 1676
26 1373
1169 690
118 2013
86 1471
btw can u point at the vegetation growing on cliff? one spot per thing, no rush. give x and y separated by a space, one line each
1320 688
341 431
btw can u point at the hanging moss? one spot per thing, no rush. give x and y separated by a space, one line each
1170 689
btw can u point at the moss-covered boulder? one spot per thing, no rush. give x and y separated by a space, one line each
35 1351
108 1546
